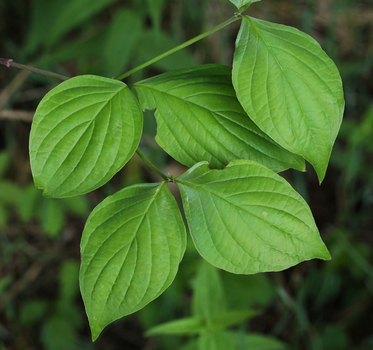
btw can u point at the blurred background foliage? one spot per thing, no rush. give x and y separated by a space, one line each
314 305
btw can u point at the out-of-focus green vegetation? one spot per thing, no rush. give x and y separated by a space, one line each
314 306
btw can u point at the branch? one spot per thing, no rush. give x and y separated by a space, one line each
26 116
10 63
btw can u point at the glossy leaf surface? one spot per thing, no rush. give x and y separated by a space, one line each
83 133
247 219
199 118
290 88
131 248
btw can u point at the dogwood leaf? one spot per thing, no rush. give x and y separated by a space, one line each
247 219
199 118
131 247
84 131
290 88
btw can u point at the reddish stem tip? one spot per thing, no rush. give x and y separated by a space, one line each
5 61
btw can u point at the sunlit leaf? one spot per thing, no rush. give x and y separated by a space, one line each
290 88
199 118
247 219
83 133
131 248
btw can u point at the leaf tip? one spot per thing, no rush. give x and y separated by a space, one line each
324 254
327 257
95 330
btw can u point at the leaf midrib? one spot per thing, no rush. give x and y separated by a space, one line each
270 32
191 184
158 190
218 113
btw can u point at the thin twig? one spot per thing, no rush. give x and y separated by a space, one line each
12 87
26 116
10 63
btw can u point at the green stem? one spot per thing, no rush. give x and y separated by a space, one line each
151 165
180 47
11 63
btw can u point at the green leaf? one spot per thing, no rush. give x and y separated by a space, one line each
215 341
244 291
230 318
51 217
29 203
209 307
78 205
32 311
155 8
131 248
246 219
10 193
199 118
242 5
185 326
154 42
68 280
239 341
82 48
208 298
84 131
59 334
51 20
121 40
290 88
255 341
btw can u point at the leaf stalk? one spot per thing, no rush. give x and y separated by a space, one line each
151 165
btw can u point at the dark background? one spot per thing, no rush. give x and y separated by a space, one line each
315 305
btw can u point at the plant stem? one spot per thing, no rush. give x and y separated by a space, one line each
180 47
151 165
11 63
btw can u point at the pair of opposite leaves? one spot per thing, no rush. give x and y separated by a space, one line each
245 218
